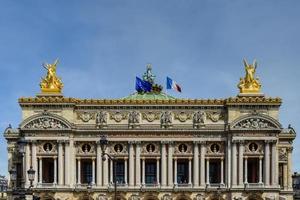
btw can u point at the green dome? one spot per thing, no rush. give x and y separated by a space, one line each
149 96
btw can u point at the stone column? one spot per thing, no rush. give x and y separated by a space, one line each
72 163
40 170
157 171
175 171
99 165
246 170
105 171
78 171
207 171
163 165
93 171
111 171
125 171
27 164
285 176
274 165
234 168
143 171
170 164
202 164
228 163
190 171
67 163
34 161
290 168
60 163
260 170
196 165
131 164
137 164
267 164
222 171
241 162
55 170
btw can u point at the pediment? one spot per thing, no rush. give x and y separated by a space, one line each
45 121
255 122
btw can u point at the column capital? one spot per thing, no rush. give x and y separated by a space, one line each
261 157
33 141
174 158
289 149
54 157
167 142
157 158
93 158
196 142
60 142
202 142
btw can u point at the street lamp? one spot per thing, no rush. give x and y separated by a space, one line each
31 175
103 145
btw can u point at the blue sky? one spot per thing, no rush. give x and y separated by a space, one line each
103 45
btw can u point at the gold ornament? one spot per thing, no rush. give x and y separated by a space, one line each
249 84
51 84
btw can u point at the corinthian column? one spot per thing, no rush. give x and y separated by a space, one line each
202 164
138 165
241 162
274 167
99 165
196 165
290 168
131 164
170 164
234 168
163 165
34 160
67 163
267 164
27 163
60 163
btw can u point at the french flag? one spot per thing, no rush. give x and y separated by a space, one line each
173 85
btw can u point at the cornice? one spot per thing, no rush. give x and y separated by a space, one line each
60 100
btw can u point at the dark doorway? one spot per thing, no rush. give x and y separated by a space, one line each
48 170
215 171
253 170
182 171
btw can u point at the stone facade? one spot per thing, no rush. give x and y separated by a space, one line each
164 148
228 134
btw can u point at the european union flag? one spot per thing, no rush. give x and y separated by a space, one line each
142 86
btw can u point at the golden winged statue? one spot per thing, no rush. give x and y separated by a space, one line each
51 83
249 84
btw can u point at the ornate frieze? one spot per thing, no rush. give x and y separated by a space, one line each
214 116
47 147
151 116
118 116
85 148
254 147
85 116
183 116
283 156
254 123
150 148
199 119
46 122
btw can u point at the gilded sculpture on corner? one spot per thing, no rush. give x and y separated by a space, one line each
249 84
51 83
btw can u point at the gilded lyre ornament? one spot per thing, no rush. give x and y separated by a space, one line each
51 83
249 84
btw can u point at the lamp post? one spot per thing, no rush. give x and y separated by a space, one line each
20 190
103 145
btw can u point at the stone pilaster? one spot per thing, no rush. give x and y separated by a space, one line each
267 163
202 163
196 165
163 164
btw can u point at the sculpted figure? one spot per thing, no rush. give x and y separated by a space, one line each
249 84
134 117
101 118
166 119
199 118
51 83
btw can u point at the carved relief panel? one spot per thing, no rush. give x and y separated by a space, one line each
47 148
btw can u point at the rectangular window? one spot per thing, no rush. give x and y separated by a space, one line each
120 171
182 171
215 171
86 171
48 170
253 170
150 172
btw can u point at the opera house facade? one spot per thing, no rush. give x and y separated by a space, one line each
156 146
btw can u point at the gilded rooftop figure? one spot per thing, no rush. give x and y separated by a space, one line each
249 84
51 83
